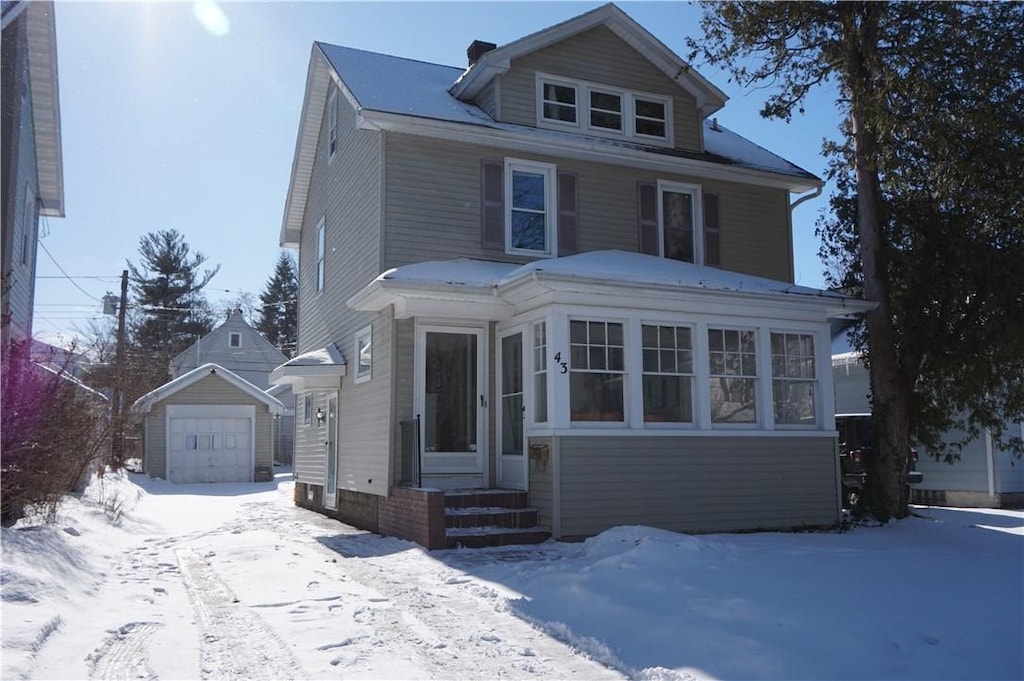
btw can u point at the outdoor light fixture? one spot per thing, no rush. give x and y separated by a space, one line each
319 416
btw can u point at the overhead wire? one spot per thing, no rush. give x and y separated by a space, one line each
66 275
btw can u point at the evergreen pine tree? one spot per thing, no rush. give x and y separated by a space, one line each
279 316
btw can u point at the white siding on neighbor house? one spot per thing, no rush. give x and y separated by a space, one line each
601 57
696 484
433 208
212 391
346 192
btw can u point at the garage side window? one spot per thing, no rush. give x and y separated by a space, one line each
307 410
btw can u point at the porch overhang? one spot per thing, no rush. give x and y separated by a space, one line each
316 370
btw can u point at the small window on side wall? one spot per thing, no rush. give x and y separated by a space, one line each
307 410
364 354
320 251
235 340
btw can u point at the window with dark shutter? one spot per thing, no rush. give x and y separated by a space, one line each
647 218
492 206
568 221
712 231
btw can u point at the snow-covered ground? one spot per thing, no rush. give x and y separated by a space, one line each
142 579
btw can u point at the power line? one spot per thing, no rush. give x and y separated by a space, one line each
66 275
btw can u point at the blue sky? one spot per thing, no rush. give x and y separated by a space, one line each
170 123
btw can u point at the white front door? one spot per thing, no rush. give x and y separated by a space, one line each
511 412
331 454
450 398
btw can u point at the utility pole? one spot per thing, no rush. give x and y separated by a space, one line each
117 444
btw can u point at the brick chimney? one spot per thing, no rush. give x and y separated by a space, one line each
477 49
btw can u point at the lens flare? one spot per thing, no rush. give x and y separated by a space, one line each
211 17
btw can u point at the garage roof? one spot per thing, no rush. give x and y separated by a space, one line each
146 402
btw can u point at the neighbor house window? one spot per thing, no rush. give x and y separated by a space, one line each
320 254
364 354
668 373
732 355
558 102
650 117
793 379
235 340
678 211
530 210
307 410
596 370
332 124
540 372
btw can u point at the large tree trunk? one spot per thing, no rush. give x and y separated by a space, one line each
885 494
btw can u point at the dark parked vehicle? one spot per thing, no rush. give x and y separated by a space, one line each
854 451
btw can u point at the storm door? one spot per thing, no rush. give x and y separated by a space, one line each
452 402
512 472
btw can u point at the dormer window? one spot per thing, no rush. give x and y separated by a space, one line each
235 340
602 110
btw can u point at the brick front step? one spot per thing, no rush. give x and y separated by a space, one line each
485 498
513 518
481 537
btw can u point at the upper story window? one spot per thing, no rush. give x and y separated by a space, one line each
678 217
320 244
530 210
332 124
234 340
603 110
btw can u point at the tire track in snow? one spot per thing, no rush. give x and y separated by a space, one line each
123 655
235 642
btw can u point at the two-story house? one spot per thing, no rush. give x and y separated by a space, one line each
30 155
552 271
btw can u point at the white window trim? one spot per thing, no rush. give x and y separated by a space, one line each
360 375
771 378
321 259
549 171
627 372
583 89
232 338
332 125
694 375
762 420
696 191
543 80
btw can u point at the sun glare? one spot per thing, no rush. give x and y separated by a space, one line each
211 17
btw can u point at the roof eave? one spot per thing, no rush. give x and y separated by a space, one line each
582 148
42 67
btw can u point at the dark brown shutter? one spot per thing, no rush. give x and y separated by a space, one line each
568 222
712 232
647 218
492 205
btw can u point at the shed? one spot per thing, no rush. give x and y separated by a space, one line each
208 425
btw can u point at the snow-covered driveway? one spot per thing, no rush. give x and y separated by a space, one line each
235 582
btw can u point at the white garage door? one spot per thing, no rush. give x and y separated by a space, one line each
209 449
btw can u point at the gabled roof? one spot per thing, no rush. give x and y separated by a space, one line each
496 62
42 72
255 355
409 96
146 402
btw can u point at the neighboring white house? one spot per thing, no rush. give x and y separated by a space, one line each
985 476
238 347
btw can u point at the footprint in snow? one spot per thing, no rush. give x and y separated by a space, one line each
313 585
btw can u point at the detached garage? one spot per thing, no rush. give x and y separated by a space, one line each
208 425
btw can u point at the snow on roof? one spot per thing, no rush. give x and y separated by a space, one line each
610 265
397 85
146 402
327 356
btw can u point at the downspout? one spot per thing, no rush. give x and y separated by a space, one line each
813 195
990 461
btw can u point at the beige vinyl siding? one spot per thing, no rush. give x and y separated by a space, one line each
402 383
542 480
214 392
433 202
598 56
697 484
308 460
488 98
346 192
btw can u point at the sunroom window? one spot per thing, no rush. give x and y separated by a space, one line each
596 370
793 379
732 356
668 373
540 372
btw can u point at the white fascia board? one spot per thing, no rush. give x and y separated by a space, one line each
145 403
415 299
539 288
44 88
582 149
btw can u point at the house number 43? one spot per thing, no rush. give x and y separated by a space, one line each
563 367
